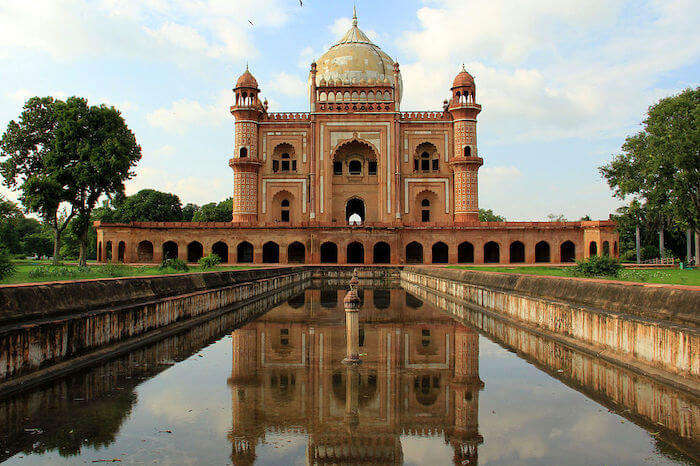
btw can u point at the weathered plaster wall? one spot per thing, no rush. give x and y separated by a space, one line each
52 407
83 320
654 325
642 399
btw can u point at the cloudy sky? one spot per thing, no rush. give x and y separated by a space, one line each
561 82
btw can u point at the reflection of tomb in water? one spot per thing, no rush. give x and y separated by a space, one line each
420 376
671 415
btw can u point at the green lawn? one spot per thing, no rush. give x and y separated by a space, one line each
24 270
669 276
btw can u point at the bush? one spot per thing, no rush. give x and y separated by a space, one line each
210 261
597 266
114 270
7 267
56 271
174 264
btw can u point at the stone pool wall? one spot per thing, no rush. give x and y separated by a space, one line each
674 413
655 325
42 325
53 406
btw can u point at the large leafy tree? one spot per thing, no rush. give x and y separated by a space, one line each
215 212
67 153
660 166
147 205
105 153
32 163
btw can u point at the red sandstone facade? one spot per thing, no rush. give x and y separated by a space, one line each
355 180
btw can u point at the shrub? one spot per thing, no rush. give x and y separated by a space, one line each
114 270
210 261
597 266
174 264
55 271
7 267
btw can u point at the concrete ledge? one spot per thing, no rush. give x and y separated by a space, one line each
31 301
658 302
233 315
634 321
36 343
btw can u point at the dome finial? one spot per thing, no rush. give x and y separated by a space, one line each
463 68
354 15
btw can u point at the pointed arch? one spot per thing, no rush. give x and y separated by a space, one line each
440 253
244 252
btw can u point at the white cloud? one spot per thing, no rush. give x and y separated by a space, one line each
165 151
196 189
548 71
288 84
177 30
185 114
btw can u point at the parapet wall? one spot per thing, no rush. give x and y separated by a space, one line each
20 303
654 325
90 315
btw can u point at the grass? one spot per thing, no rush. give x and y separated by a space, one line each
40 271
664 276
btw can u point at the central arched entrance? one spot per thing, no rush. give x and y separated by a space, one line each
355 211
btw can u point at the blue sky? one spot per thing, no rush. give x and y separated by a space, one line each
561 83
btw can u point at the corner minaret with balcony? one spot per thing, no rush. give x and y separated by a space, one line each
465 163
247 111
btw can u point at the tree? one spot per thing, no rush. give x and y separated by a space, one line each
104 152
660 165
556 218
147 205
213 212
20 235
70 154
489 216
188 212
33 164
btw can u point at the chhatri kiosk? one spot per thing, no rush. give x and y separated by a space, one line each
356 180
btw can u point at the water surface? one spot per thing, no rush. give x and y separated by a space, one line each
430 391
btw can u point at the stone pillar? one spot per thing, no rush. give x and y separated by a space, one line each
351 304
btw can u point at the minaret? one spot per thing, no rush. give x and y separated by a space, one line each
465 163
244 383
247 112
464 435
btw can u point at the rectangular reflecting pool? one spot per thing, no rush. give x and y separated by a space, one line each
430 390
